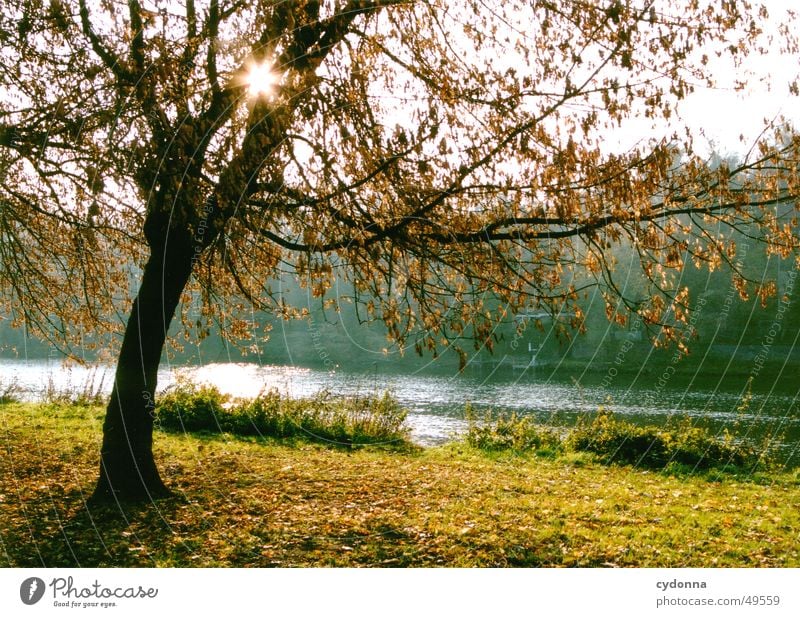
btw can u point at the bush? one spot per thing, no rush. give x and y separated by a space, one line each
618 441
337 420
188 407
512 432
678 445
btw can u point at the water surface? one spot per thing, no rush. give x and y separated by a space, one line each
761 410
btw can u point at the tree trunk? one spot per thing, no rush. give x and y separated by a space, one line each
128 470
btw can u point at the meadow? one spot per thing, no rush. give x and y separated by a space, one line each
363 498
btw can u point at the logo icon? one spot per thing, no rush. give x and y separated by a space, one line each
31 590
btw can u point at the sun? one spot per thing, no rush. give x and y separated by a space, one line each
261 80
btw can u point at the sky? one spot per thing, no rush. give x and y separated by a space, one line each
721 115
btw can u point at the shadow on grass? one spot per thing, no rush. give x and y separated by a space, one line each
90 535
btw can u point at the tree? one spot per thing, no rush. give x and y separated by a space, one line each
450 157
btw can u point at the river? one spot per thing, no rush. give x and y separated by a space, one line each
767 408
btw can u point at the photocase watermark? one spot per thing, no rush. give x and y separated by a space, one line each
319 344
676 584
66 593
677 356
669 371
31 590
196 309
619 358
150 405
775 327
638 325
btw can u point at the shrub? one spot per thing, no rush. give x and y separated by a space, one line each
512 432
677 445
188 407
337 420
618 441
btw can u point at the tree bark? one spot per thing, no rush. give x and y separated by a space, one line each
128 470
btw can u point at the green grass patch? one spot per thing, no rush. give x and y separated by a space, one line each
244 502
340 421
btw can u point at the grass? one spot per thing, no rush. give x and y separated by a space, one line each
250 501
89 392
513 433
679 446
337 421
